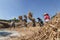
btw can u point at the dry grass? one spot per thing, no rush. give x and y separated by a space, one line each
50 31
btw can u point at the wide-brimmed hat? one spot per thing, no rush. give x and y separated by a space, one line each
45 13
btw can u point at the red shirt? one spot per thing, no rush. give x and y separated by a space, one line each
46 17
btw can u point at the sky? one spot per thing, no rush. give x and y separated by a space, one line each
14 8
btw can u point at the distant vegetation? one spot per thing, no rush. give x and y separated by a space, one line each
14 19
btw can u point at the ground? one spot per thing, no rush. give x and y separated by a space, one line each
50 31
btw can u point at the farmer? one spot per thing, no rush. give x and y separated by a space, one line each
33 21
46 17
40 21
30 16
25 20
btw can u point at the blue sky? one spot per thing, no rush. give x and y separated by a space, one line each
13 8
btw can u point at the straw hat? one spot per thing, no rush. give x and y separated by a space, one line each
45 13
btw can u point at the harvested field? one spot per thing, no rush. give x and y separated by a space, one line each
50 31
